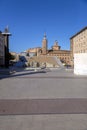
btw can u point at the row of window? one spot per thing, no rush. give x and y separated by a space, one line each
82 46
81 51
80 43
80 37
64 58
59 54
82 34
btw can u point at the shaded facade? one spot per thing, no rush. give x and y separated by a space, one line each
4 42
2 52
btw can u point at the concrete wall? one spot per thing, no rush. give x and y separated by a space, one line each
80 64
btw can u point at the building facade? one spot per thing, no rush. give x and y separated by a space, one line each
63 55
78 43
2 52
55 51
4 48
34 51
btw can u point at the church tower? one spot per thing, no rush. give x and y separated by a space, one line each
44 45
56 47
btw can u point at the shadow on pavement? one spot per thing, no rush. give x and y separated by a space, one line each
22 72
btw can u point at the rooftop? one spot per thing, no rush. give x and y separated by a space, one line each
79 32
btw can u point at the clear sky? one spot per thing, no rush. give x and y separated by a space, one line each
28 20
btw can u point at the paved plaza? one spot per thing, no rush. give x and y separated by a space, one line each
44 99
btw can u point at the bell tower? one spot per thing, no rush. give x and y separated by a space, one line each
44 45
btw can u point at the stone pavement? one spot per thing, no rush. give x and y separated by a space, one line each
43 100
43 106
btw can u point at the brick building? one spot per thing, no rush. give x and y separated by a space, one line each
55 51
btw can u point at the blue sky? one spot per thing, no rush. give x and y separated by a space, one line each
29 19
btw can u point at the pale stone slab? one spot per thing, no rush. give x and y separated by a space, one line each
80 64
44 122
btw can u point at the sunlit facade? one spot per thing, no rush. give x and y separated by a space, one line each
79 42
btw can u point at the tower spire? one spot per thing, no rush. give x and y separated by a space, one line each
45 35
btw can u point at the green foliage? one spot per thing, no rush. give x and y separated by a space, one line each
11 57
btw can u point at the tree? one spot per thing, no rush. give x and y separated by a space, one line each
11 57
